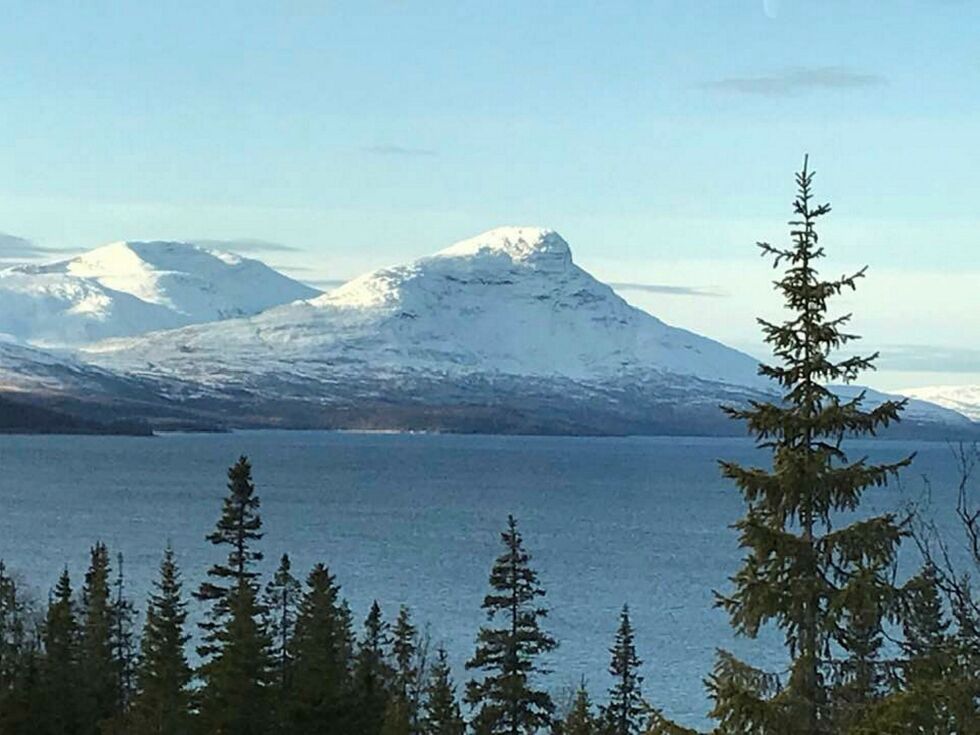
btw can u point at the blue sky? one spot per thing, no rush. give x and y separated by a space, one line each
658 137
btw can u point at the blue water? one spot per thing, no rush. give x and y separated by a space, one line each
415 519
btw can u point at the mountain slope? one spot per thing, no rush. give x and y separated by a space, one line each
962 398
510 302
129 288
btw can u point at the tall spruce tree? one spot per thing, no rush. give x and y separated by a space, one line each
60 702
408 650
505 698
162 704
441 710
806 570
19 690
236 672
321 651
122 639
282 596
98 668
627 712
372 675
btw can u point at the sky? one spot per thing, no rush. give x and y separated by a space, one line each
659 138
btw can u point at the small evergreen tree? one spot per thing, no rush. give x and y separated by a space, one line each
123 640
505 699
60 665
282 595
409 654
580 720
442 715
822 583
372 675
19 690
626 712
162 704
236 669
320 650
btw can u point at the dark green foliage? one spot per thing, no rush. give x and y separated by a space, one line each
236 673
372 676
320 650
505 699
19 684
626 712
282 596
824 584
580 719
123 640
442 715
97 666
60 679
162 704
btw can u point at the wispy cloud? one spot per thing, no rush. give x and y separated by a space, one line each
13 247
797 81
398 150
248 245
672 290
930 358
324 283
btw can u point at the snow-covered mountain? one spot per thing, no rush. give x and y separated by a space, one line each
508 302
962 398
499 333
130 288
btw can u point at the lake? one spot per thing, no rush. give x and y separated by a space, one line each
415 519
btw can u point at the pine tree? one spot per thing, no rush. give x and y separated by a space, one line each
282 596
409 652
236 669
580 720
804 573
505 698
442 715
625 714
321 653
59 672
372 675
97 666
19 689
123 640
162 704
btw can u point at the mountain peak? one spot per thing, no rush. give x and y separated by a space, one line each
534 246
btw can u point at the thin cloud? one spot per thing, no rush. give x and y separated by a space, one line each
930 358
248 245
671 290
13 247
398 150
324 283
797 81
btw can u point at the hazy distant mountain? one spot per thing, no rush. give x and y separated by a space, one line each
129 288
962 398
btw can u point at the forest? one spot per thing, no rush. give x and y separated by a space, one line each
869 650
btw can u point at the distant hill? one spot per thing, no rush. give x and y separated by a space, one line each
17 417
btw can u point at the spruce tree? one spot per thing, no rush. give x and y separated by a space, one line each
19 687
236 669
442 715
321 651
60 678
123 640
626 712
372 675
408 653
162 703
282 596
97 667
505 698
580 720
806 570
